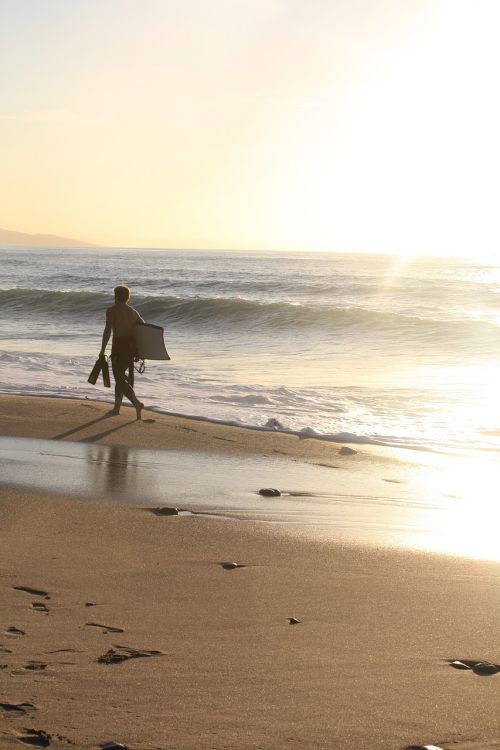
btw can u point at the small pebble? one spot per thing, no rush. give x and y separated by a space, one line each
484 668
231 565
90 604
345 451
270 492
293 621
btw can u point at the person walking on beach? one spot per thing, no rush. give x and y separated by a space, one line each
120 320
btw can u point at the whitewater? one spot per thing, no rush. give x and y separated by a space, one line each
360 347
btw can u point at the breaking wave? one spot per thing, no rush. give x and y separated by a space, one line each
236 311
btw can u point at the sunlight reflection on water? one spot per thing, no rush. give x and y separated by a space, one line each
426 501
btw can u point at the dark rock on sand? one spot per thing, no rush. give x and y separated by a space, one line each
232 565
270 492
113 746
345 451
485 668
481 668
293 621
273 424
422 747
90 604
164 511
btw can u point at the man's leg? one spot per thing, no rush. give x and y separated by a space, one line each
119 392
120 364
118 397
115 365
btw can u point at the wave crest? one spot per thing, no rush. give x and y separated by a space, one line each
235 312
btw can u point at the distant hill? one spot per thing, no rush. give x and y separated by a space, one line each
9 238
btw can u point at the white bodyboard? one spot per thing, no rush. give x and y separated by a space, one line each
149 342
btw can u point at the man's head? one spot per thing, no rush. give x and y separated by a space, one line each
122 293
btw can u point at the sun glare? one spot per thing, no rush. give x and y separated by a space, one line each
302 129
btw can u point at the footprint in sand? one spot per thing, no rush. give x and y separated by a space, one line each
34 737
4 649
65 651
106 628
12 631
40 607
35 666
30 666
17 708
119 654
34 592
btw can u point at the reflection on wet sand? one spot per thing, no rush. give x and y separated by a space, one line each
440 503
109 467
467 512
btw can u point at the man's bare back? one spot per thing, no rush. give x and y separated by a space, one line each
122 319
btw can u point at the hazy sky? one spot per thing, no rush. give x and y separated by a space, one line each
254 124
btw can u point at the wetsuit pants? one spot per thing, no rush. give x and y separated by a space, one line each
124 382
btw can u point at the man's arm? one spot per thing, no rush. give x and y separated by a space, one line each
106 333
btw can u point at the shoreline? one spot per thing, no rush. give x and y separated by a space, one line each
340 438
305 433
20 417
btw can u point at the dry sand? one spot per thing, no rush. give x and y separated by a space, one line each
367 666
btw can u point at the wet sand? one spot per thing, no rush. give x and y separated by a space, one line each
89 421
118 624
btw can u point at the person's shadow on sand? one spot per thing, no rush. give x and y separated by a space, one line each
95 436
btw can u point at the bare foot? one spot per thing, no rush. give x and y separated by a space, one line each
113 412
138 409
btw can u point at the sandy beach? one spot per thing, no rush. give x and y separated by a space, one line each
89 421
119 624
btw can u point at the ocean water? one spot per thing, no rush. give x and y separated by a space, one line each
365 348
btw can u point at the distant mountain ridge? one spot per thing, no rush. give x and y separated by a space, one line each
10 238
